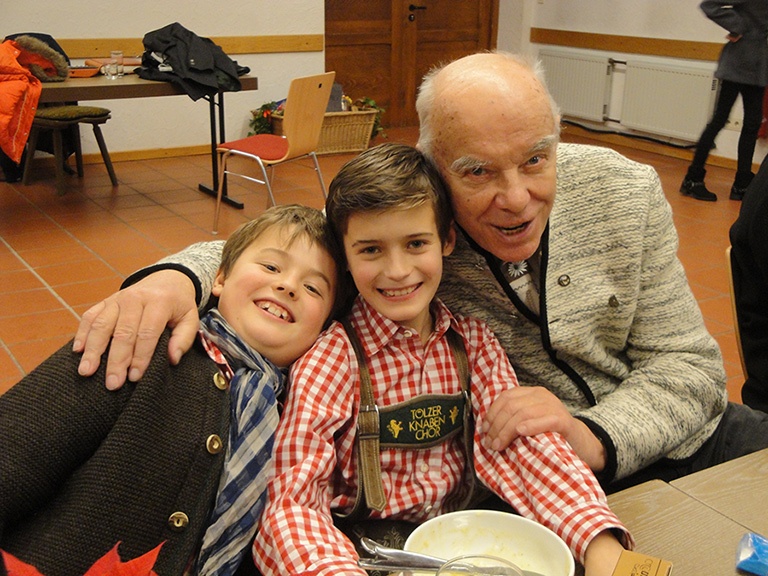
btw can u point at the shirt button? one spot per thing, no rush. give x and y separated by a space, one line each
428 509
564 280
613 302
424 467
178 521
220 381
408 333
214 444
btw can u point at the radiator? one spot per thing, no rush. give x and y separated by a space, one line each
579 83
668 100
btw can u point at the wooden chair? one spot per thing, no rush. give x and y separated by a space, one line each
61 118
302 121
729 266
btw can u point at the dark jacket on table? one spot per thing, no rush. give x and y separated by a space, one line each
744 61
199 67
749 259
82 467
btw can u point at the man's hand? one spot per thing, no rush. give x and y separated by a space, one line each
529 410
133 319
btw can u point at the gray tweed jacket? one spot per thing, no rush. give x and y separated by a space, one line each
620 339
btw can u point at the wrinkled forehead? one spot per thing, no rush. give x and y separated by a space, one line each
491 119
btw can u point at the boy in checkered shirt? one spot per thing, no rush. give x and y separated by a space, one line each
390 209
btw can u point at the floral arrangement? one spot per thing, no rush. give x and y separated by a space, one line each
261 118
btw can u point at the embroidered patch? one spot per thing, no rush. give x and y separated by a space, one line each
421 422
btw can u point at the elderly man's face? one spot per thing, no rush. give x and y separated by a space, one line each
496 149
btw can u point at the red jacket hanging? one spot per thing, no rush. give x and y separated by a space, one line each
19 94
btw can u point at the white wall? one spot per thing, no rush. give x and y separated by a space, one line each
678 20
149 123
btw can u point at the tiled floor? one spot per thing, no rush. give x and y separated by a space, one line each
61 254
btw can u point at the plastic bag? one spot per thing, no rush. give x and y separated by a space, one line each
752 555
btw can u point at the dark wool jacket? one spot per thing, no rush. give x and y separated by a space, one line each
749 259
746 60
200 67
82 467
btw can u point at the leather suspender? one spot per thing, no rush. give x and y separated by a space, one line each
371 488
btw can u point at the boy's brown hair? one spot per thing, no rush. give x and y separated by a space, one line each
387 177
300 221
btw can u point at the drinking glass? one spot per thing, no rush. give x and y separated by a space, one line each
117 56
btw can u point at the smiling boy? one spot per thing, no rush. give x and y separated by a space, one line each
391 211
182 456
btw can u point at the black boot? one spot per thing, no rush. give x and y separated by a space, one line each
697 190
737 193
740 184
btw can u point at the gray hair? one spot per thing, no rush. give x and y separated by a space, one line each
426 98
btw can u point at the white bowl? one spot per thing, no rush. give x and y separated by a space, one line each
523 542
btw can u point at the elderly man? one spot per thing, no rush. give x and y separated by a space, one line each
568 252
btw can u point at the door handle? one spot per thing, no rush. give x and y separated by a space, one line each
413 7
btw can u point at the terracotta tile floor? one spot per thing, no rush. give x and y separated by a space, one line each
61 254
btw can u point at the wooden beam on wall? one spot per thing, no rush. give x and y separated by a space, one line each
628 44
100 47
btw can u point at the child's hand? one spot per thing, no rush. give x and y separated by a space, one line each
602 555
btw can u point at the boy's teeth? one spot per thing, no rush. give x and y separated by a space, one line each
400 292
275 310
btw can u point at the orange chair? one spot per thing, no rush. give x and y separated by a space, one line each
302 121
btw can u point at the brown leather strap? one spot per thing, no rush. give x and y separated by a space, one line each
368 460
456 342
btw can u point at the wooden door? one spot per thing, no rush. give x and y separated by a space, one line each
382 48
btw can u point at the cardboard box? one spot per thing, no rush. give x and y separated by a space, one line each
637 564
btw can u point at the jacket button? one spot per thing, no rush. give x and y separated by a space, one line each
613 302
214 444
220 381
178 521
564 280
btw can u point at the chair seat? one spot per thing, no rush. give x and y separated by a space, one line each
72 113
268 147
59 119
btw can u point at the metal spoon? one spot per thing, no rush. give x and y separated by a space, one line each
386 558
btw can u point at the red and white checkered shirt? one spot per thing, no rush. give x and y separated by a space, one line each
315 455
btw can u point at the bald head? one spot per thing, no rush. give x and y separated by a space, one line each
476 85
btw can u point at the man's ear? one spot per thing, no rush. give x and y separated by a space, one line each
218 284
450 241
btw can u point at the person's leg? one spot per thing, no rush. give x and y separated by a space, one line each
693 184
752 99
741 431
729 91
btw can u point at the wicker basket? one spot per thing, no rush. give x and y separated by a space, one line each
341 132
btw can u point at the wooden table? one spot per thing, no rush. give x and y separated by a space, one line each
99 87
737 489
670 524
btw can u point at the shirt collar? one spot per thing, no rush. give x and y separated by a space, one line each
377 331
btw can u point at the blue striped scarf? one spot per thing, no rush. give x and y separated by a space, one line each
254 389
